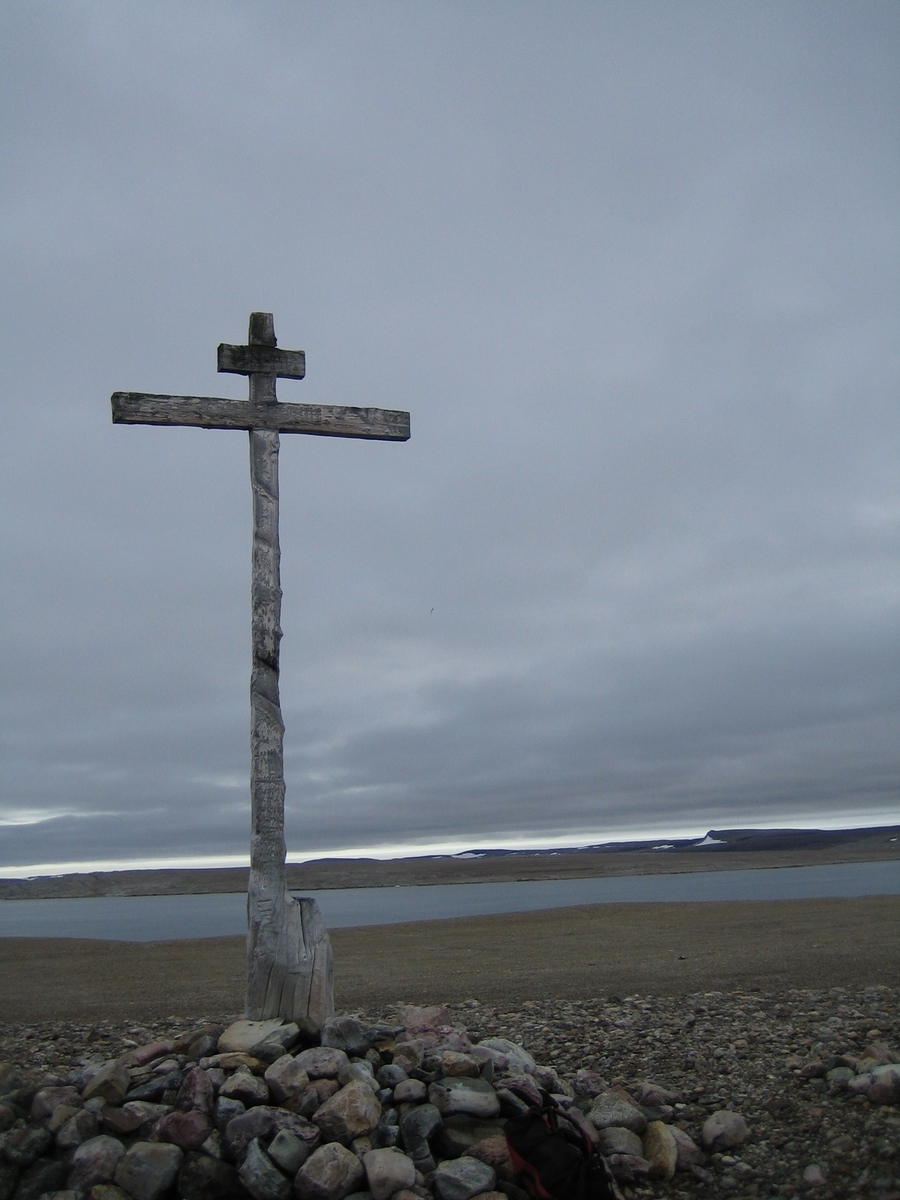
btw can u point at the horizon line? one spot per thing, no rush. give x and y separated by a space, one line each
401 850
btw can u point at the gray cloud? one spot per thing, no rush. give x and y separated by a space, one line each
634 272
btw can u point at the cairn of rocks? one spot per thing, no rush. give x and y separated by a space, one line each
369 1110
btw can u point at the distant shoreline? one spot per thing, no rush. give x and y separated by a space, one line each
731 851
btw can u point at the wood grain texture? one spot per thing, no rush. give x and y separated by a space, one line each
289 972
210 412
268 360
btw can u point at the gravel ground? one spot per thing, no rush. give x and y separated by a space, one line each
740 1049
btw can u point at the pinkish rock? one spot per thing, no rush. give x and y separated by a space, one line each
47 1100
689 1153
148 1112
412 1017
120 1120
525 1088
142 1055
324 1088
654 1095
629 1168
196 1092
187 1130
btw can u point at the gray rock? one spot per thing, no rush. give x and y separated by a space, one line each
246 1087
109 1084
148 1170
724 1130
237 1135
202 1178
95 1161
261 1177
41 1177
10 1079
616 1139
410 1091
79 1127
360 1072
330 1173
349 1035
463 1178
323 1062
155 1089
390 1075
417 1127
420 1123
387 1171
589 1083
473 1097
22 1147
609 1109
288 1151
518 1057
226 1110
550 1080
242 1036
458 1134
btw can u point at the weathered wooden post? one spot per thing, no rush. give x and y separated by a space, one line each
289 964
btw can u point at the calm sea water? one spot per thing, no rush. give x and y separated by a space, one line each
161 918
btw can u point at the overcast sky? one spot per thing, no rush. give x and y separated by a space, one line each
633 269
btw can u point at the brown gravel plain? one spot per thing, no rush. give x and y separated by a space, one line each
574 953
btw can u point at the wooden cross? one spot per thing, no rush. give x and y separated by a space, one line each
289 968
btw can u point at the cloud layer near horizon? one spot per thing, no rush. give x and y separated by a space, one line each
634 272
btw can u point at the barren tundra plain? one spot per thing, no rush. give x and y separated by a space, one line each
741 1006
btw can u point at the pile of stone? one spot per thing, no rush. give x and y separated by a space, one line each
413 1109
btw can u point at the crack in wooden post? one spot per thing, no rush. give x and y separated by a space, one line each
289 959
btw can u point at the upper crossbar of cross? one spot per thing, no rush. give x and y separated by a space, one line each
263 362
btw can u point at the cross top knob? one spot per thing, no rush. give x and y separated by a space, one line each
261 360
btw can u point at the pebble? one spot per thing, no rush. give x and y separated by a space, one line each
791 1094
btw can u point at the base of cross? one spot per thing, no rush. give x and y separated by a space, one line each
290 969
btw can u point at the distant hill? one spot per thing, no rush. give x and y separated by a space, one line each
719 850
